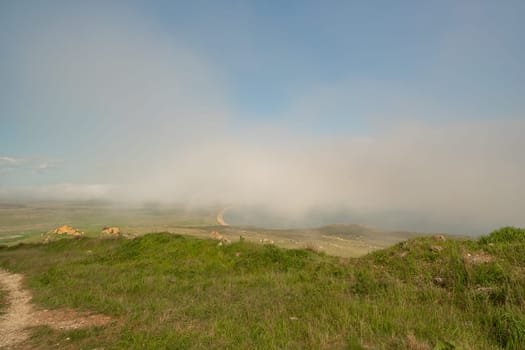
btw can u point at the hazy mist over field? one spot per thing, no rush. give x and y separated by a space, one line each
121 101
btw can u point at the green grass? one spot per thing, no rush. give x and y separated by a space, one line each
27 222
507 234
34 218
168 291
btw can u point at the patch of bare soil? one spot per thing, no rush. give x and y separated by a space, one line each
20 314
477 258
69 319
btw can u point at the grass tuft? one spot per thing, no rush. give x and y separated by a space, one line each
508 234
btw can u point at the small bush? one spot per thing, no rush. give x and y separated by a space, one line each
53 275
506 234
368 283
489 274
353 344
508 329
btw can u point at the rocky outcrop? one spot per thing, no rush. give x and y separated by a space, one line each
112 231
67 230
63 231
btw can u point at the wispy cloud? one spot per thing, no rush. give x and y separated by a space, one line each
34 165
8 164
10 160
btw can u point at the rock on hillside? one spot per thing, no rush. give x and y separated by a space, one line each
112 231
64 230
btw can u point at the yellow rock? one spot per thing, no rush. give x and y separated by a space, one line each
111 230
67 230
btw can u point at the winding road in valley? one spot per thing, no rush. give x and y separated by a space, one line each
220 218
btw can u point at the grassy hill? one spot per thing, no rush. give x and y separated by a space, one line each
167 291
348 240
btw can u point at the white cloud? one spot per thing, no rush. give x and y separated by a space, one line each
10 160
33 164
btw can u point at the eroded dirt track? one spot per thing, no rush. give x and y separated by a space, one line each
17 318
20 314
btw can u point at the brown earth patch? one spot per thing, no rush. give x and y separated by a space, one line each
477 258
21 314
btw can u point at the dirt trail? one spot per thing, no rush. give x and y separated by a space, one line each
20 314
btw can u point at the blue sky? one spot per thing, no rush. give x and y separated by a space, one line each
87 85
450 50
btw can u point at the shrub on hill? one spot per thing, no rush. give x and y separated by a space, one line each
506 234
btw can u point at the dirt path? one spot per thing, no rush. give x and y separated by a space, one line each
21 314
220 218
18 315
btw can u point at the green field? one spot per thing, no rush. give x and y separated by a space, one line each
26 222
33 218
166 291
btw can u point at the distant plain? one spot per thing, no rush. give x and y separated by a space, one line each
27 221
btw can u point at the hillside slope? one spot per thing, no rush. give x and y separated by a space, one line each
166 291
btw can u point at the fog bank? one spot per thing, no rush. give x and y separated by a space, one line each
108 106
